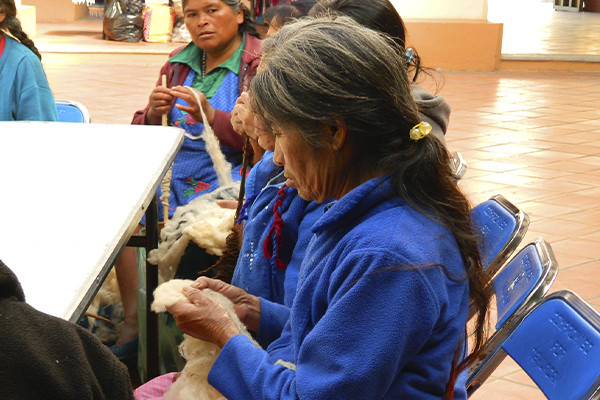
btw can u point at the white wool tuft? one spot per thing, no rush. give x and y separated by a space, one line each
222 167
200 354
203 222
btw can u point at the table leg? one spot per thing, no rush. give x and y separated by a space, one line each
151 284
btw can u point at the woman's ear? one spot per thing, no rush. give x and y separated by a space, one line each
2 14
240 16
339 134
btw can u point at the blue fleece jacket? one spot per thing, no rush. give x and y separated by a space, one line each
255 273
374 317
24 91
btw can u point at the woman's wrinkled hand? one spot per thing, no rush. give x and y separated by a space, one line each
160 103
203 318
246 306
193 108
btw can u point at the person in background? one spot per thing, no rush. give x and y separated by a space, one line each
382 16
46 357
24 91
217 65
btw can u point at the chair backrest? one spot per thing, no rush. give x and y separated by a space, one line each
502 227
522 283
558 345
458 166
72 111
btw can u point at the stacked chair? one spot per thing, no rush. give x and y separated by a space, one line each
555 339
556 342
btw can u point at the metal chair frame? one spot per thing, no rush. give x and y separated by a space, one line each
458 165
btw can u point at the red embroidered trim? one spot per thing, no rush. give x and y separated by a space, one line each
277 225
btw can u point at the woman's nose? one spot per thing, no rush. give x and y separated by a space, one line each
277 155
202 20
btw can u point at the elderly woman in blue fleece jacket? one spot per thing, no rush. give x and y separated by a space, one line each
383 292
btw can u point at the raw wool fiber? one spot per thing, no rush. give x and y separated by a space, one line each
201 221
107 295
200 354
222 167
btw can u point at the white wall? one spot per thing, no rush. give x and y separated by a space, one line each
442 9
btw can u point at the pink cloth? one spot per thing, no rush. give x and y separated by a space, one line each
154 389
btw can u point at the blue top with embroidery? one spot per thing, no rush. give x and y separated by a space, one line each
193 169
255 273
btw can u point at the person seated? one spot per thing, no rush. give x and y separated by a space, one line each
24 91
275 17
382 16
275 233
47 357
217 66
383 291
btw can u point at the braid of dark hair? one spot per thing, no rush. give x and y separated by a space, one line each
227 262
426 183
14 27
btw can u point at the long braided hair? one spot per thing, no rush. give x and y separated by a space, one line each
12 25
227 262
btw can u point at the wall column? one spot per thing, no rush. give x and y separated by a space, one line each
452 35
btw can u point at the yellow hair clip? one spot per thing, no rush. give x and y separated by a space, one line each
420 130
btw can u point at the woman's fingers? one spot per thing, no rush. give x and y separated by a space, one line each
229 204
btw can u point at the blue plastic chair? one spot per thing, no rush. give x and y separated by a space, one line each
558 345
72 111
523 281
502 227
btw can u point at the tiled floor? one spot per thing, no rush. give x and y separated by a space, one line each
533 137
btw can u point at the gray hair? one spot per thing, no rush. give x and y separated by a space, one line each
322 71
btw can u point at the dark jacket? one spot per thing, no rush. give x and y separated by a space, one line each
44 357
222 124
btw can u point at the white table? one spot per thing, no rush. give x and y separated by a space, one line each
71 196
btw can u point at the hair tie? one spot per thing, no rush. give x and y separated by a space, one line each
420 130
410 56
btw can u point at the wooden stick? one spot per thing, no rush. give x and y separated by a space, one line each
164 116
89 314
166 183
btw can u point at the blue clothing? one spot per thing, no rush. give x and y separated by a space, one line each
262 172
375 314
193 170
24 91
255 273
